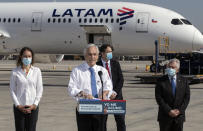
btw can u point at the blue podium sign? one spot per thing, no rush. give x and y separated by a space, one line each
102 106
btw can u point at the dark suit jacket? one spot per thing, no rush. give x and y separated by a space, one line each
166 100
117 77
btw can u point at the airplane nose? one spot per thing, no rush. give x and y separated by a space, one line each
198 41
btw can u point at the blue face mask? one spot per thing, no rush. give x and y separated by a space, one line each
109 55
27 61
171 72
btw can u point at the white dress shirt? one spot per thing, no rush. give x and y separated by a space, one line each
174 77
80 80
26 89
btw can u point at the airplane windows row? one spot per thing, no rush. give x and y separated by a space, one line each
97 20
180 22
85 20
10 20
59 20
186 22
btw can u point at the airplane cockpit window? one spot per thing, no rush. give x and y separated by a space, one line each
186 22
176 22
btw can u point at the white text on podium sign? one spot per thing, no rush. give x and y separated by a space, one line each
90 108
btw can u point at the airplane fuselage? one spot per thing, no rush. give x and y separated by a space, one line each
66 28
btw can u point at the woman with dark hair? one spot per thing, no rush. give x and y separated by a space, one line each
26 90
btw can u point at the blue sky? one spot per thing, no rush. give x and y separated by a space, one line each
191 9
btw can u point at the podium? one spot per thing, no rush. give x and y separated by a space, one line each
95 106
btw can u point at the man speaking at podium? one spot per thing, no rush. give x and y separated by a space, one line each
85 83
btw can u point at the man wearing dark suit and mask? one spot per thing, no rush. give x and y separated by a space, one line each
172 94
115 73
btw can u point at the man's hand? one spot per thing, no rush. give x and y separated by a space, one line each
84 95
104 97
105 94
113 96
88 96
105 110
80 94
177 112
174 113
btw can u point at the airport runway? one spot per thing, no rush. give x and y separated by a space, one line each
57 109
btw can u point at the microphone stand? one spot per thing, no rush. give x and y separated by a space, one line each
102 116
102 88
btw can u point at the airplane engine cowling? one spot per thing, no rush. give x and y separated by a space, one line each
48 58
56 58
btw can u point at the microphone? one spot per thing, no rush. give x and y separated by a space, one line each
100 73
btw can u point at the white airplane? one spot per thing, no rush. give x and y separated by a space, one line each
67 27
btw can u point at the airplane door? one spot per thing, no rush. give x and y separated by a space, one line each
36 21
142 22
100 39
97 34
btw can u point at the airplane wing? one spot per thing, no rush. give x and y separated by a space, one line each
4 34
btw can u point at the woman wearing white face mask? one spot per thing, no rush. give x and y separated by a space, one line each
26 89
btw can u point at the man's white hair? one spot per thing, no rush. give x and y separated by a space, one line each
88 46
176 61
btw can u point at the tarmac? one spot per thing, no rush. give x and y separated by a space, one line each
57 108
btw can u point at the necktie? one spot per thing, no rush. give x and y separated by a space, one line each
173 84
93 83
107 67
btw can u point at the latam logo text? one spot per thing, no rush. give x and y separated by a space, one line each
82 13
